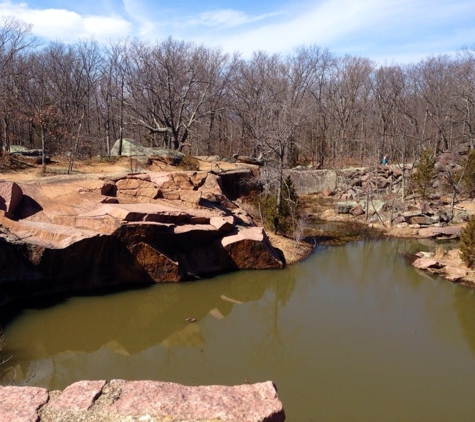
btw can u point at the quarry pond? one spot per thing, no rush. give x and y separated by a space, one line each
353 333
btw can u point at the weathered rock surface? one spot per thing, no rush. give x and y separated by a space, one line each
448 265
21 404
10 196
311 181
255 241
126 229
424 263
132 148
449 232
121 401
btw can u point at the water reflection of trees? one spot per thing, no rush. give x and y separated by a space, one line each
130 323
105 333
279 333
464 305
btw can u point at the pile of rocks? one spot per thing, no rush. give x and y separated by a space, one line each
361 182
376 194
417 215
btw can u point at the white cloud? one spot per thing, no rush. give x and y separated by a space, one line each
67 26
322 25
146 26
227 18
378 29
371 28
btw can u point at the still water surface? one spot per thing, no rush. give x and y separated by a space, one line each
353 333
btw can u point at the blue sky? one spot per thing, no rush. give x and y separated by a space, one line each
387 31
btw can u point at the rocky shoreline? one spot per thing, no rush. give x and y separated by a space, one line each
84 233
68 234
446 264
80 233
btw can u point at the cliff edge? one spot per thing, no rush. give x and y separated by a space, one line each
81 232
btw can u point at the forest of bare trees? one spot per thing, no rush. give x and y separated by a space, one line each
310 107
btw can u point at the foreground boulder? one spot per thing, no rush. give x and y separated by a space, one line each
120 400
80 233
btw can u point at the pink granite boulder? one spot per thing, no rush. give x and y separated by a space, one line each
120 400
21 404
10 196
425 263
163 400
251 249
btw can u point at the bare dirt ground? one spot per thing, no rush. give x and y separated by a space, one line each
293 251
13 169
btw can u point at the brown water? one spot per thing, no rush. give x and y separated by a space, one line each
351 334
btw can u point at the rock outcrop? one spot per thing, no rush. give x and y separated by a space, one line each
446 264
10 196
71 233
121 401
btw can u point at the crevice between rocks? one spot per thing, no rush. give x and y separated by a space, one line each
108 395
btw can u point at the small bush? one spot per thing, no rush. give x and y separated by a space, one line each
422 178
468 177
342 233
287 220
467 243
188 162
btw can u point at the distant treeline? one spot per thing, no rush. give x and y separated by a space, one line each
308 107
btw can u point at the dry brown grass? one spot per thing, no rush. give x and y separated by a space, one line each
440 252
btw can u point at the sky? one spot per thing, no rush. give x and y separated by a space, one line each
386 31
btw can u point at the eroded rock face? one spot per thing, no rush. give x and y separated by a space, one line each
250 248
10 196
74 238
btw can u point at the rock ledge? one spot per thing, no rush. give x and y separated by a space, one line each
121 401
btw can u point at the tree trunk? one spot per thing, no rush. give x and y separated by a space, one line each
43 149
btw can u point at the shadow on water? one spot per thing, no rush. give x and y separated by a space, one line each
128 323
464 305
10 312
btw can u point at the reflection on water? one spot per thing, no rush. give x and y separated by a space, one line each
351 334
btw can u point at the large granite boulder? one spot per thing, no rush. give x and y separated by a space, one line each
136 190
120 401
10 196
129 147
21 404
253 240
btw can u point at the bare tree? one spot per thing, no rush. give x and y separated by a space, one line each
315 136
465 92
435 80
170 86
15 40
39 105
348 95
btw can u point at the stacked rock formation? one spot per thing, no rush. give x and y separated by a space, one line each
70 233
